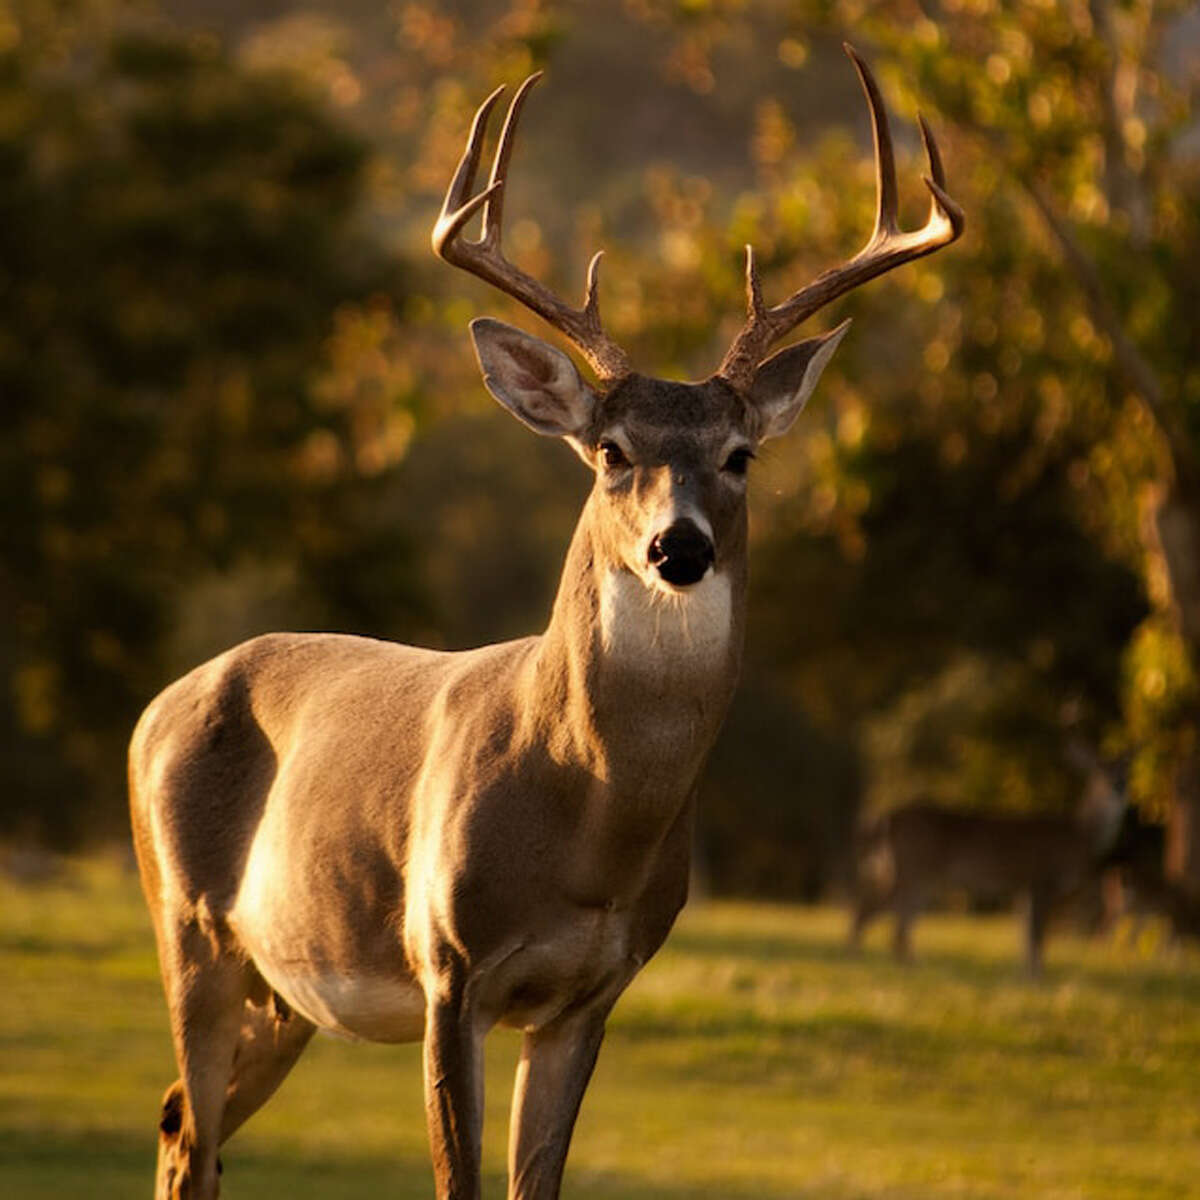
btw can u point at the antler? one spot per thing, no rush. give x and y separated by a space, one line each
887 247
484 258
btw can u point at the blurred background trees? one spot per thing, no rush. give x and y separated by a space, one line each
176 235
237 392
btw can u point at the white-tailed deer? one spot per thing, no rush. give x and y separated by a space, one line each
400 844
918 852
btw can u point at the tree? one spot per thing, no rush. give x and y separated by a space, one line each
959 505
175 235
963 506
957 563
1084 110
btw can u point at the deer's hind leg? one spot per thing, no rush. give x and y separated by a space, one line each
272 1039
1041 901
207 988
868 904
906 905
268 1048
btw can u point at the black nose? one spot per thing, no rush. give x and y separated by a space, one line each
682 553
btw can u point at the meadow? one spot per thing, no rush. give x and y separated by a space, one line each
753 1058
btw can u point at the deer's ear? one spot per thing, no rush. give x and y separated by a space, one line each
783 384
536 382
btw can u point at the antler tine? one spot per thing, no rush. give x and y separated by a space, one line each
887 247
457 209
493 216
887 202
941 205
932 152
591 304
754 297
484 259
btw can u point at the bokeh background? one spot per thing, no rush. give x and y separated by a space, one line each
237 392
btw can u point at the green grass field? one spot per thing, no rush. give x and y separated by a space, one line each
753 1058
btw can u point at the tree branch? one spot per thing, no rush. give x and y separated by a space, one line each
1122 186
1138 372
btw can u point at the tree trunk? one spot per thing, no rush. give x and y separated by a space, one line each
1172 534
1175 539
1181 859
1177 534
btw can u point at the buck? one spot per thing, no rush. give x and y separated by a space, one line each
399 844
917 852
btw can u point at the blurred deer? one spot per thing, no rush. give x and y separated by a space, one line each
399 844
914 854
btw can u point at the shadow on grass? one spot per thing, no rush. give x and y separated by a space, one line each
1151 981
38 1167
807 1056
1133 983
783 949
50 946
762 948
44 1165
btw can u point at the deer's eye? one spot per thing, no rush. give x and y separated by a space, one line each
613 456
738 461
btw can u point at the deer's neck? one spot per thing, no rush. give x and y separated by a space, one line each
635 681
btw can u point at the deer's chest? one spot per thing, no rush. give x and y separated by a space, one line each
584 955
569 927
675 635
665 675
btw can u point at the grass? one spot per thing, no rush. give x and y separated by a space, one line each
753 1058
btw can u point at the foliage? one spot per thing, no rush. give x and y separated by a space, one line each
229 417
176 232
778 801
1160 700
1079 115
967 489
981 475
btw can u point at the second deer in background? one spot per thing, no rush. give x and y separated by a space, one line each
914 854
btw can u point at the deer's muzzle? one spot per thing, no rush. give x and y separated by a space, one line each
682 553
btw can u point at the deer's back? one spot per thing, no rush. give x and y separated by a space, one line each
984 852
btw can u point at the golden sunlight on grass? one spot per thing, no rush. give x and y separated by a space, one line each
754 1058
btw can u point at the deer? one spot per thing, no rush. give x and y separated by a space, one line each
916 852
402 844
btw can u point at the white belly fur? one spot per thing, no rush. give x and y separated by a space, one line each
370 1001
376 1008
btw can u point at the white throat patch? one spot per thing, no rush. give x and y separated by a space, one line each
651 626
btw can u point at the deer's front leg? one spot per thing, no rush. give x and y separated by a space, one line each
454 1089
556 1064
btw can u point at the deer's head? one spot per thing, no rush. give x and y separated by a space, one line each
670 458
